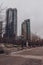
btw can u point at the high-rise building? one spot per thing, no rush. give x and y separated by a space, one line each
26 29
11 22
0 28
15 20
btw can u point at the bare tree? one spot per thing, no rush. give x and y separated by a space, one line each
2 16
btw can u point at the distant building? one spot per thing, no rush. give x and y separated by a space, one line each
11 22
0 28
26 29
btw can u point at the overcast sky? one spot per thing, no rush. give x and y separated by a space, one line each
28 9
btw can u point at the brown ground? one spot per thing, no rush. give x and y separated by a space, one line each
18 60
8 60
35 51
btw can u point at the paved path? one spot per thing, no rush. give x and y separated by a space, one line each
19 58
21 53
33 51
29 56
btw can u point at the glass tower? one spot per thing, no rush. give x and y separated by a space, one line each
11 22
